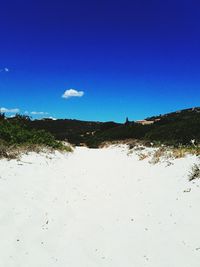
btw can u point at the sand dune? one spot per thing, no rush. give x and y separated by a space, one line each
98 208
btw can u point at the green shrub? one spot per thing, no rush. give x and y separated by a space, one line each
16 132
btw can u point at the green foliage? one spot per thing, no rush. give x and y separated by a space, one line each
17 131
177 128
73 131
2 116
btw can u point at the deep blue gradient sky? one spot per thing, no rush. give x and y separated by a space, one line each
131 58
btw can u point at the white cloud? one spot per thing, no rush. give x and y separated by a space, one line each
52 118
72 93
12 110
39 113
4 70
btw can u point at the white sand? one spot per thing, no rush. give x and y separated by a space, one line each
98 208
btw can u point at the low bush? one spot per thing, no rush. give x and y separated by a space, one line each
195 172
16 133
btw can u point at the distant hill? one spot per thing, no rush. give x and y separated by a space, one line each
180 114
74 131
175 128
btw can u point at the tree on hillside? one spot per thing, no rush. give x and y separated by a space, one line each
127 122
2 116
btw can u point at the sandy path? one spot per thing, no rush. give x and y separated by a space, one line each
98 208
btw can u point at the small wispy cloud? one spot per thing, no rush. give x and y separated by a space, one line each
7 110
72 93
52 118
4 70
38 113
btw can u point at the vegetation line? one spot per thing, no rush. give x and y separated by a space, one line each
17 136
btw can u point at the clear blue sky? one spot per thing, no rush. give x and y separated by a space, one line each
130 58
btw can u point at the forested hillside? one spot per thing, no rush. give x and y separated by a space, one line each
177 128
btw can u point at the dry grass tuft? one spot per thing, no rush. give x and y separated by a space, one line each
143 156
8 152
14 152
157 155
195 172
